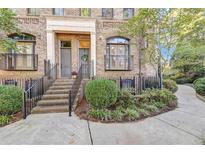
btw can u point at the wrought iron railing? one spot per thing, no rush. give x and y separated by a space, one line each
16 61
118 62
36 90
74 89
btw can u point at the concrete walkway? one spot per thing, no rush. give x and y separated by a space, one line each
185 125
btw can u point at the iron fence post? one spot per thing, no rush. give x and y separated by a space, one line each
70 104
24 106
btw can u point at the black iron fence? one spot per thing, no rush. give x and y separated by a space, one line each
134 83
75 88
21 83
36 90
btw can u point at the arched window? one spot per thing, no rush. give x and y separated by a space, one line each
24 42
117 54
24 58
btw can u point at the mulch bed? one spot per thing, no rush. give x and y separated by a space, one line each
14 118
83 107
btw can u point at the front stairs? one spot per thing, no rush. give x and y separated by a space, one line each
56 97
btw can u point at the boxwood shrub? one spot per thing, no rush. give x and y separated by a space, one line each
10 100
101 93
170 85
199 86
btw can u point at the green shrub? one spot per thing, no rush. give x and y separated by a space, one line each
178 75
199 86
10 100
184 80
170 85
151 96
4 120
101 93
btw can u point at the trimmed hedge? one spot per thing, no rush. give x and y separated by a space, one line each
199 86
10 100
170 85
101 93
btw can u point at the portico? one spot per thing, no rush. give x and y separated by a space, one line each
71 42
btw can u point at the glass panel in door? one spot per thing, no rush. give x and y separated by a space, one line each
66 62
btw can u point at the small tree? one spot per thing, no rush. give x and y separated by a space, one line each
8 25
150 28
165 28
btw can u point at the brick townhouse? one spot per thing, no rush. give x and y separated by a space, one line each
71 37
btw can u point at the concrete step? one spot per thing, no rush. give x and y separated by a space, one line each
65 87
64 80
57 102
60 87
54 96
50 109
58 91
62 83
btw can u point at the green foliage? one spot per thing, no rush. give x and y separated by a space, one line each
143 112
150 107
85 11
117 114
151 96
184 80
100 114
188 59
101 93
124 99
177 76
127 107
8 25
10 100
199 86
4 119
131 114
170 85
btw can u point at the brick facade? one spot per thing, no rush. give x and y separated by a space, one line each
105 28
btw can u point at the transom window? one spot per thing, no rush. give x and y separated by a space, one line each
65 44
128 13
58 11
117 54
107 12
33 11
85 12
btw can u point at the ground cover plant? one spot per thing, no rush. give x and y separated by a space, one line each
107 103
10 103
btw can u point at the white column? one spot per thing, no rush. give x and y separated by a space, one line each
51 46
93 52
